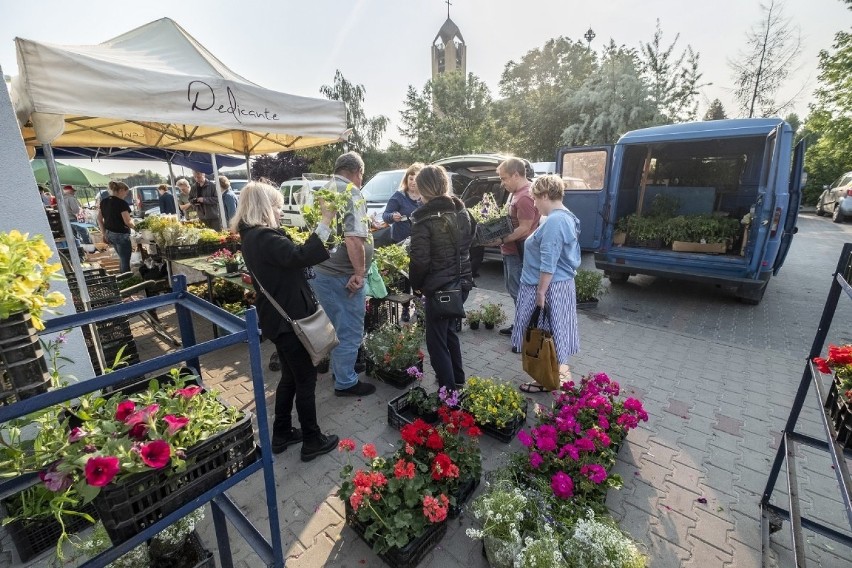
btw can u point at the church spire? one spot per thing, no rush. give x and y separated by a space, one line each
449 52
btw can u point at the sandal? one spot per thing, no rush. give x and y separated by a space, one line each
532 388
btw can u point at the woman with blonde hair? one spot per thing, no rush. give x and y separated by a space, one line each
402 204
115 222
281 266
551 260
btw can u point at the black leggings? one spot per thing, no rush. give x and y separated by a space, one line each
298 382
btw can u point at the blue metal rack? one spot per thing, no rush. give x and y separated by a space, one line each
772 516
223 508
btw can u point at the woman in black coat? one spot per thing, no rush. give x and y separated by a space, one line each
441 234
280 266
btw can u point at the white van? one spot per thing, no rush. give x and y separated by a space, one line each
298 192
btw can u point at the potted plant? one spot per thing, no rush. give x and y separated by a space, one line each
497 407
395 504
492 315
839 400
590 287
709 234
505 514
578 460
492 221
226 260
473 318
113 449
394 354
25 275
424 404
392 261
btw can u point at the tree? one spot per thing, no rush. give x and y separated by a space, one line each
716 111
279 168
829 125
612 101
534 91
759 72
452 115
673 78
366 132
144 177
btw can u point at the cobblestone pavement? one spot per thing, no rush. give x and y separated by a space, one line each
716 377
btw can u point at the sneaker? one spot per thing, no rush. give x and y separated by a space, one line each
516 349
274 362
507 330
283 441
358 389
321 445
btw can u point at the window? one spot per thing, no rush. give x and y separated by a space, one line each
584 170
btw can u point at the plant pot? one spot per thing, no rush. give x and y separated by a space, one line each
24 369
473 324
587 304
840 413
409 555
462 494
189 554
508 432
398 378
232 267
489 325
618 238
501 553
400 412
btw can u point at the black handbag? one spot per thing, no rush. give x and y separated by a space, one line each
449 303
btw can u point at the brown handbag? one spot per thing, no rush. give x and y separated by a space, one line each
539 352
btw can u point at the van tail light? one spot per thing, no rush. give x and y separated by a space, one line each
849 193
776 220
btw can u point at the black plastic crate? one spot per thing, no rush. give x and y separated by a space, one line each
110 331
176 252
507 433
463 493
192 554
140 500
34 536
411 554
400 412
840 414
493 230
103 290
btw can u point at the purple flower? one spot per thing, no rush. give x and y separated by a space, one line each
525 438
413 371
594 472
535 460
76 434
449 397
62 338
55 481
585 444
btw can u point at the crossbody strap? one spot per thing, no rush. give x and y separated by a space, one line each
270 298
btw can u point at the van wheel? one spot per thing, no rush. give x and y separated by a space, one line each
837 216
819 210
617 277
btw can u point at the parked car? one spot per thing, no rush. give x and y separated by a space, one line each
144 198
377 191
237 185
837 199
298 192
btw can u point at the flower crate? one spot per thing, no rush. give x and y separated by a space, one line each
508 432
840 414
399 379
465 490
401 413
177 252
494 230
138 501
23 369
32 537
411 554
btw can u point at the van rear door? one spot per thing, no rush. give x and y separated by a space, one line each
585 171
795 193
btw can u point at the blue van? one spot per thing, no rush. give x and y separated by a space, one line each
743 169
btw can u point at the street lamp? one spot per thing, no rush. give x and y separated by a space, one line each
590 35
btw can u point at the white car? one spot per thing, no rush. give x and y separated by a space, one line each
298 192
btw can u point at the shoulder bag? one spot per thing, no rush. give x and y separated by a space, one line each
449 303
315 332
539 352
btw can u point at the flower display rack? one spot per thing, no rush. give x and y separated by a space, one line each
411 554
32 537
840 414
224 511
835 442
193 554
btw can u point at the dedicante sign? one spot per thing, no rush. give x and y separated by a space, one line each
201 96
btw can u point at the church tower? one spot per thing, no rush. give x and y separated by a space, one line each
449 52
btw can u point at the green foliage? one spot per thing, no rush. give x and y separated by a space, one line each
423 402
701 229
589 285
493 314
392 261
393 347
452 115
280 167
492 402
673 78
144 177
716 111
473 316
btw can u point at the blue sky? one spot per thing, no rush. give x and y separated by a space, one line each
296 46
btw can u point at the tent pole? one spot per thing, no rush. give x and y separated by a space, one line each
76 264
173 191
248 166
218 191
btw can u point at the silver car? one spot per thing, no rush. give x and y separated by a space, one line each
837 199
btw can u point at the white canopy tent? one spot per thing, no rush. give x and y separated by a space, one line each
156 86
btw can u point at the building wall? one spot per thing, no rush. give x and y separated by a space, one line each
21 208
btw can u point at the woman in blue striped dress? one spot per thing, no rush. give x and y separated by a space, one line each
551 259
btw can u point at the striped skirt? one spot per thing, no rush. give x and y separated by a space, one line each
561 299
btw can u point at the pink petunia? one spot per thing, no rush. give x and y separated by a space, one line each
175 423
124 410
76 435
188 392
156 454
562 485
141 416
100 470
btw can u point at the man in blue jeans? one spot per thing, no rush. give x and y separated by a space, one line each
339 282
